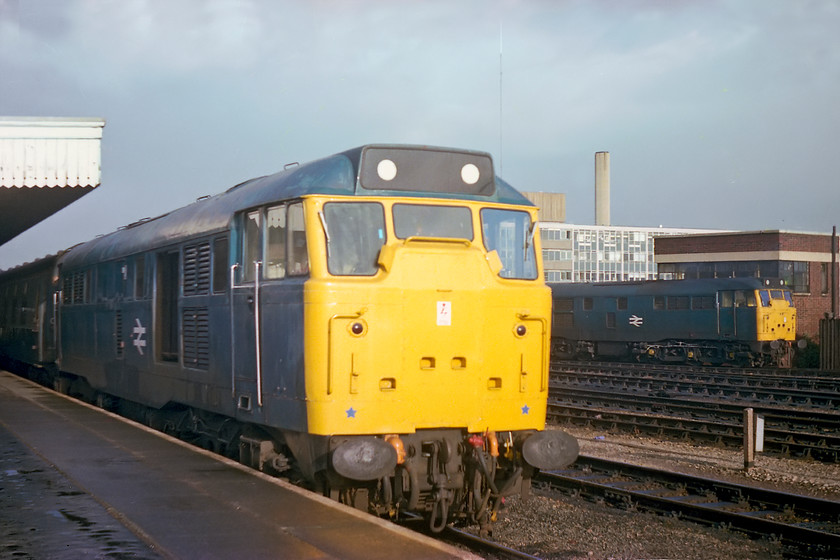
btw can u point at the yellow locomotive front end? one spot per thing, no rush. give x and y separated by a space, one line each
434 332
775 325
427 340
775 315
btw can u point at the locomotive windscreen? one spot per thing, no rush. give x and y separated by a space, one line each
427 170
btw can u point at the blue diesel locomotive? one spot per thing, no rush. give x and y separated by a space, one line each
373 323
715 321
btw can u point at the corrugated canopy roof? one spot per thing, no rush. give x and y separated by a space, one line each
45 164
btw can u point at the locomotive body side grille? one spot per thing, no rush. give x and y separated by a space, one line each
196 332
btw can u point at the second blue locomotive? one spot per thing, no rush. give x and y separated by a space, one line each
740 321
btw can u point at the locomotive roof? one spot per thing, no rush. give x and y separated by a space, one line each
657 287
354 172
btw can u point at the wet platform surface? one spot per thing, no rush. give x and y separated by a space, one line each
78 482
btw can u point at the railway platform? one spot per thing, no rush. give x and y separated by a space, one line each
77 481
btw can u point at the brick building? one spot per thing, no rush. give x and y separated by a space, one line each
802 260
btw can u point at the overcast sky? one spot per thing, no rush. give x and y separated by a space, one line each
716 114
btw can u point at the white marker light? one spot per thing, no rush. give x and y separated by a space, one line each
470 174
386 170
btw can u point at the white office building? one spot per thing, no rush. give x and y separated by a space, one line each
574 253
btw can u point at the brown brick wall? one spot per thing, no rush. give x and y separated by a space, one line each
742 242
810 308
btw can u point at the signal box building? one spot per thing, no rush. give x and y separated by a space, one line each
802 260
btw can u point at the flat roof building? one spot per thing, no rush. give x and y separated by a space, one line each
576 253
801 260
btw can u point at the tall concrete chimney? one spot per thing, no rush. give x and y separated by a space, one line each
602 188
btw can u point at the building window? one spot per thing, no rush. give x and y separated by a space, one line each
801 278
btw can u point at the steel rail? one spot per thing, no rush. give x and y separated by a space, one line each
808 523
454 536
826 396
823 448
781 418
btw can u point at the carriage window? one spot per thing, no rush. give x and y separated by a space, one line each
275 243
416 220
587 304
250 245
298 255
659 302
621 304
355 233
511 234
725 299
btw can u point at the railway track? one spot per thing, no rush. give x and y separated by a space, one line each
792 444
754 386
664 402
486 548
809 527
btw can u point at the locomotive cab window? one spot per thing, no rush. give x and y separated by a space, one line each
275 242
275 237
298 261
511 234
789 298
745 298
355 233
420 220
768 295
251 252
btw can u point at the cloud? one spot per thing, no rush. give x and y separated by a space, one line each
730 98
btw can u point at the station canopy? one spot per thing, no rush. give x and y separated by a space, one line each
45 164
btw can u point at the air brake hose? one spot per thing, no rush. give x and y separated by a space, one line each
485 471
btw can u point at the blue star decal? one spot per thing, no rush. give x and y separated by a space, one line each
525 409
350 412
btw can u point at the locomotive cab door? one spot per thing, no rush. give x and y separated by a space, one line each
726 322
245 317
